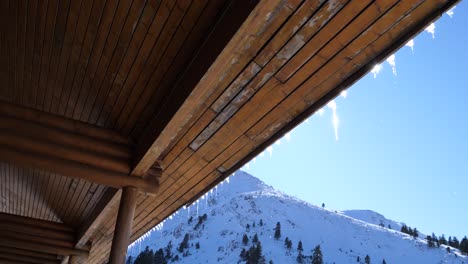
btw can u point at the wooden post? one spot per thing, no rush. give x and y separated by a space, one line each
123 225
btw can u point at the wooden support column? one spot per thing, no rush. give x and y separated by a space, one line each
123 225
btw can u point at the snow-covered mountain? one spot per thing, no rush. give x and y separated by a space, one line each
245 205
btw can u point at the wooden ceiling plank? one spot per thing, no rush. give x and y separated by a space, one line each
101 13
189 36
3 48
182 144
121 14
46 209
11 41
65 50
169 28
30 33
53 198
76 50
41 16
92 203
136 43
150 150
141 60
127 32
71 198
44 60
57 43
84 196
302 16
20 51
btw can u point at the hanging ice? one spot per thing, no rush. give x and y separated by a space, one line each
321 111
335 120
431 29
376 70
450 12
278 142
288 136
410 44
270 150
344 93
391 61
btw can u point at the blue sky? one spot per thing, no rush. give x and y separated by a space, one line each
403 146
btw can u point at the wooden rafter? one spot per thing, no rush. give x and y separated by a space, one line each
36 139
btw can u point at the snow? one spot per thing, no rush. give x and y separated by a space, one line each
342 235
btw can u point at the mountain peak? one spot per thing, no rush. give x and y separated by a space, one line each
243 208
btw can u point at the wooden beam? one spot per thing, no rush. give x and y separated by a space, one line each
62 123
53 143
35 222
36 227
123 226
25 259
28 253
163 128
45 248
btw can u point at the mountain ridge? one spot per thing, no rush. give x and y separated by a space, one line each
242 202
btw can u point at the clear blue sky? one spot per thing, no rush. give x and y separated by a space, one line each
403 140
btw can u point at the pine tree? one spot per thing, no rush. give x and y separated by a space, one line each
253 224
129 260
299 246
442 240
261 222
404 229
159 257
384 262
450 243
168 250
367 259
415 233
245 239
464 246
430 242
243 254
317 257
278 231
255 238
145 257
358 259
184 244
448 249
323 205
197 245
288 243
456 243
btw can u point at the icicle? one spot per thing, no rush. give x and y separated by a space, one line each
431 29
451 11
270 150
335 120
288 136
391 61
321 112
411 45
376 70
344 93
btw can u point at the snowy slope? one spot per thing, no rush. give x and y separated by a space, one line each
243 200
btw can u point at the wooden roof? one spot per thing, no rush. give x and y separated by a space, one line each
166 96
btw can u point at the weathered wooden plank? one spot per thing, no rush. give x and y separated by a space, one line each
116 46
136 43
169 29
